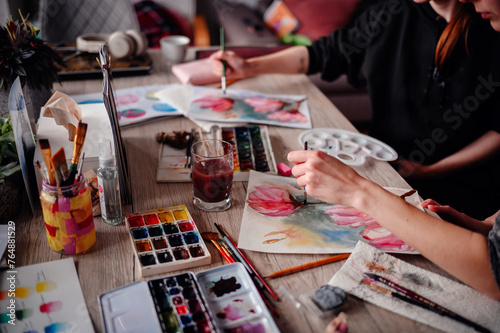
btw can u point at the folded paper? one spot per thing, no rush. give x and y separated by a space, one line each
64 110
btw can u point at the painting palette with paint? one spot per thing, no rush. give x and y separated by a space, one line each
252 150
221 299
349 147
166 240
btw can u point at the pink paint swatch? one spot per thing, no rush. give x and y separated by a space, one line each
50 307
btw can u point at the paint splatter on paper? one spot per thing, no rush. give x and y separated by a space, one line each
248 106
48 299
276 220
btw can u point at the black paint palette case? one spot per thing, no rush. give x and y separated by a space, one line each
222 299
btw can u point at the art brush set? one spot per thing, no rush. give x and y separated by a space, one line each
231 253
58 173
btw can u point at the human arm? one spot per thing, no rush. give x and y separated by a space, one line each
461 252
475 153
452 215
293 60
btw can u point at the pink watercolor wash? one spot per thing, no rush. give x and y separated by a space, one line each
292 116
50 307
271 201
264 105
218 104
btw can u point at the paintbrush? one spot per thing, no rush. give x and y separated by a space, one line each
60 167
414 298
308 265
223 48
41 172
81 132
46 152
213 237
305 193
244 260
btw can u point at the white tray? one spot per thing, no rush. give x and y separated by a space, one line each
349 147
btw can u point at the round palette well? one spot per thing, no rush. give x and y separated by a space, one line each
349 147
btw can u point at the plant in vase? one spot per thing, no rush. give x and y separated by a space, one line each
10 175
23 54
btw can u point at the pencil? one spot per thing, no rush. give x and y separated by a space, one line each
414 298
223 48
244 260
308 265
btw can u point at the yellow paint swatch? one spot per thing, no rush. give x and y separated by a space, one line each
23 292
43 287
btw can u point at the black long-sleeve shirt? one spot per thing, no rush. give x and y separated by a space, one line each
423 113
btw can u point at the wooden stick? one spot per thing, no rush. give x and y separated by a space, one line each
309 265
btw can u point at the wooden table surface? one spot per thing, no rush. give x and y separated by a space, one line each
110 263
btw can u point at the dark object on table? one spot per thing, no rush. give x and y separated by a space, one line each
175 139
328 297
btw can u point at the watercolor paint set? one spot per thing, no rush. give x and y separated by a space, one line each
252 150
165 240
350 147
221 299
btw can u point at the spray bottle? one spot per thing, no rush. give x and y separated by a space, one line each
109 185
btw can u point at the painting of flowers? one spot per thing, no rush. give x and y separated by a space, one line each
276 220
211 104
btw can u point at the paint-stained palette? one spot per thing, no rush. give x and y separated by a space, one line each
221 299
166 239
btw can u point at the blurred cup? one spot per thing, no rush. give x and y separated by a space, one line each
212 174
174 48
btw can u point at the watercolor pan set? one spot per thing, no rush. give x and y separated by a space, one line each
251 148
350 147
166 240
221 299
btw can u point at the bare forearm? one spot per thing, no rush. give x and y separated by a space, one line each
294 60
459 251
477 152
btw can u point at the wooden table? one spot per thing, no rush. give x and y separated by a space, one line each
111 263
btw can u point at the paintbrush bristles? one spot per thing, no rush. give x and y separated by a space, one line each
46 153
81 132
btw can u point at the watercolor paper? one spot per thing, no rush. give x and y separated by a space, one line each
134 104
47 297
450 294
211 104
275 220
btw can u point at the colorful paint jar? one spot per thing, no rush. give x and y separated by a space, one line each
67 212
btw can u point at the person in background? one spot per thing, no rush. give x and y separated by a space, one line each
433 75
465 247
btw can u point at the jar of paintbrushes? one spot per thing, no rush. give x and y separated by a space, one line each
67 212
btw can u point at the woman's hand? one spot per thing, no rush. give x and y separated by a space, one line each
236 66
326 178
452 215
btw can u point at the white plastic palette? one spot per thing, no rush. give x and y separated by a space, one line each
350 147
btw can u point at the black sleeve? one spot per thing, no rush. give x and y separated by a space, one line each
344 50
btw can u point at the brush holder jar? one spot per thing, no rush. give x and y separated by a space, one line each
67 212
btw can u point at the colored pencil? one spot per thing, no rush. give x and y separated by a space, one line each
416 299
308 265
244 260
223 48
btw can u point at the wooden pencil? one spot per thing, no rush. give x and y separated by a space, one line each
309 265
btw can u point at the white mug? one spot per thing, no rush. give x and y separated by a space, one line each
174 48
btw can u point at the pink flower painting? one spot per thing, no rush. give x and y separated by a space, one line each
264 105
272 201
218 104
289 116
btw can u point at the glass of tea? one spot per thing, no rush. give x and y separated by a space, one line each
212 174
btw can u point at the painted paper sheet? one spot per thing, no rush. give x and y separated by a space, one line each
44 297
450 294
134 105
211 104
276 220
